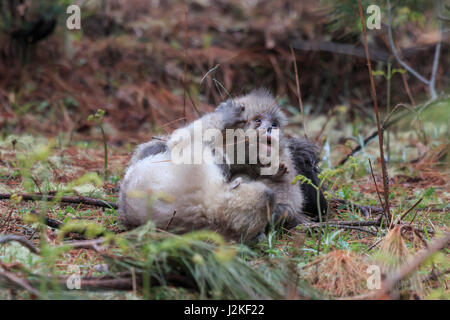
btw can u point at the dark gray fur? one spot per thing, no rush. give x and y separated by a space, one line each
155 148
305 157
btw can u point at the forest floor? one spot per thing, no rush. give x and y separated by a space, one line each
31 164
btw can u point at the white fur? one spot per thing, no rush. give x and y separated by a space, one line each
192 197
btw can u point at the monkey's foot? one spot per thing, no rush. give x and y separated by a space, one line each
282 171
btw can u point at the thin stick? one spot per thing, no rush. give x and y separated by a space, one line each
436 55
394 49
22 240
403 271
409 210
375 106
359 147
185 58
408 90
299 95
199 113
19 282
384 125
414 217
171 219
364 209
339 226
159 139
209 72
375 182
410 266
172 122
66 199
432 82
369 223
375 244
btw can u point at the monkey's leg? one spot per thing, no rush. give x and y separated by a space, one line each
245 215
284 216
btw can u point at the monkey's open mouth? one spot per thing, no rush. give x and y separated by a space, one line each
265 139
265 145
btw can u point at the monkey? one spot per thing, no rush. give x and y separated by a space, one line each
182 197
294 204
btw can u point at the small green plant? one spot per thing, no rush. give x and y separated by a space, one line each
388 76
98 118
325 175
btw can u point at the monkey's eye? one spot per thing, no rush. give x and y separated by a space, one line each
274 124
258 120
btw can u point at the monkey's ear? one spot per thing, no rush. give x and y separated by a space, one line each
221 106
235 183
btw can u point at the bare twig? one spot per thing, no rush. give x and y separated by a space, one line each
408 90
375 182
159 139
299 95
375 105
340 48
22 240
209 72
366 210
171 219
443 18
408 211
121 281
186 42
394 49
435 275
401 273
198 112
375 244
359 147
15 280
65 199
384 125
436 55
432 82
339 226
369 223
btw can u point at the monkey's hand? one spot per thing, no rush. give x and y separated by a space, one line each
282 171
232 113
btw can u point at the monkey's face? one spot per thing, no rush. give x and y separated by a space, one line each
268 129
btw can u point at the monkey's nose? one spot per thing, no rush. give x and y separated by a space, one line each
269 130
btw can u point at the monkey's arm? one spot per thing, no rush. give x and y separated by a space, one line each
226 114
